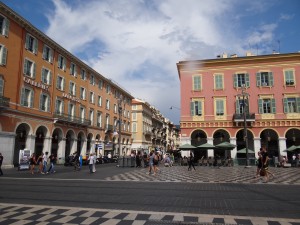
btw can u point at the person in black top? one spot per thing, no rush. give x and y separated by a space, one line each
1 160
191 162
265 163
259 163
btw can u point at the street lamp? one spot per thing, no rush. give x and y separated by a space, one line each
245 97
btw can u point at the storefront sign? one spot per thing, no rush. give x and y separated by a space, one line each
36 84
68 96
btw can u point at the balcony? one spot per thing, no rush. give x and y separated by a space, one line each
69 119
250 117
4 102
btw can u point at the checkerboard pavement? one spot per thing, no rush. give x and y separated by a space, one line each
49 215
206 174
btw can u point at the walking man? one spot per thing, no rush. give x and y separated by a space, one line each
1 160
191 162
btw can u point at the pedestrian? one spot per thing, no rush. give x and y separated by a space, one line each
80 161
32 162
1 160
45 159
259 163
155 163
91 162
94 162
52 159
40 163
138 159
265 164
109 157
191 162
150 160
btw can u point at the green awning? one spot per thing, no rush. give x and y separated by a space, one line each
187 147
292 148
226 146
206 146
244 151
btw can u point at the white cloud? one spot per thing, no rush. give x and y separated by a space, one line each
139 42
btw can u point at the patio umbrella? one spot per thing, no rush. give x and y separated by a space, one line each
206 146
226 146
187 147
291 148
244 151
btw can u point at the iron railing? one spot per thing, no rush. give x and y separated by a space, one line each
61 117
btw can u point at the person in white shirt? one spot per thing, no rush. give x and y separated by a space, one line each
45 158
91 162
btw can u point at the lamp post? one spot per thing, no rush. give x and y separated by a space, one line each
245 96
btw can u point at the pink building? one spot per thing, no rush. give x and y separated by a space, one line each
212 105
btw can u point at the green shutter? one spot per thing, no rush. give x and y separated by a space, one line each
59 61
260 106
4 55
192 108
35 46
70 88
237 106
258 80
62 106
50 78
41 101
34 70
6 27
271 79
285 105
57 82
1 86
48 103
298 105
23 96
235 80
64 64
56 106
27 41
273 105
247 80
31 98
25 66
51 55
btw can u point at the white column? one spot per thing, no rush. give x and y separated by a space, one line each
233 151
282 146
47 144
61 151
73 146
30 142
210 152
83 148
257 146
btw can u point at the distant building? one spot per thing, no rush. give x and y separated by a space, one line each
212 104
52 101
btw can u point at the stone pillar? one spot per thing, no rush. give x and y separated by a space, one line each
30 142
257 146
210 152
282 146
47 144
233 151
61 151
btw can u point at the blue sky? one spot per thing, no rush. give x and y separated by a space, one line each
137 43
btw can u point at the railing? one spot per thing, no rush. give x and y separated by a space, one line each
240 117
4 102
71 119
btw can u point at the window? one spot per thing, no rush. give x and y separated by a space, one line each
1 86
29 68
107 88
91 117
92 79
133 116
128 114
197 83
266 105
107 104
82 93
71 110
196 108
99 119
60 83
134 127
3 55
61 61
92 97
47 54
264 79
83 74
82 113
291 105
44 102
115 108
241 79
134 107
46 76
128 126
27 95
59 106
289 77
219 107
107 122
239 104
100 84
31 44
73 69
4 26
72 88
218 81
99 100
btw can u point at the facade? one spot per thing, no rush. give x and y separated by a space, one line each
52 101
150 130
215 94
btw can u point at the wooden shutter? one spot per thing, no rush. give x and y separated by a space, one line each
1 86
33 70
25 67
44 52
41 101
237 106
192 105
51 55
298 105
57 82
4 55
31 98
43 74
56 106
64 84
35 46
285 105
23 96
64 64
260 106
59 61
258 80
50 78
247 80
6 27
48 103
273 105
27 41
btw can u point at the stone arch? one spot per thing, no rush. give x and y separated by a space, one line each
220 136
57 137
198 137
70 143
23 130
40 137
270 139
292 136
89 143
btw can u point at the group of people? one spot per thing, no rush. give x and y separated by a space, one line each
41 161
263 165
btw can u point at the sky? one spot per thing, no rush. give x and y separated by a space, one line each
137 43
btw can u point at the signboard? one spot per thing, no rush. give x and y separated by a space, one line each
24 157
